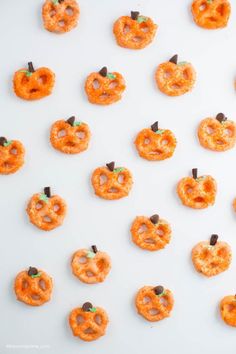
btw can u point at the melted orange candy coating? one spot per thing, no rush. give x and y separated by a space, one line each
60 16
211 14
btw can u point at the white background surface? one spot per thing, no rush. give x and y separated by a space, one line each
195 325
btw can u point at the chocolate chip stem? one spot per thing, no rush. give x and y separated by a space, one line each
32 271
103 71
3 141
221 117
31 68
94 248
71 121
154 219
134 15
213 240
158 290
174 59
87 306
47 191
154 127
194 173
111 166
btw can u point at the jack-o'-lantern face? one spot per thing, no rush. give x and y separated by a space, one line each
104 88
33 287
197 192
211 258
228 310
175 79
87 322
60 16
46 211
155 144
154 303
112 183
211 14
134 32
217 134
69 136
91 266
12 154
31 84
152 233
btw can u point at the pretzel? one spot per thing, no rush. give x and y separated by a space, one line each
152 233
154 304
211 14
134 32
12 154
155 144
217 134
69 136
87 322
104 88
228 310
31 84
211 258
33 287
60 16
45 211
197 192
91 266
175 79
112 183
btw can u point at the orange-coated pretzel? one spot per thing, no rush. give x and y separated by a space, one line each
45 211
197 192
91 266
152 233
175 79
228 310
12 154
211 258
69 136
155 144
112 183
104 88
87 322
31 84
211 14
217 134
135 31
154 303
33 287
60 16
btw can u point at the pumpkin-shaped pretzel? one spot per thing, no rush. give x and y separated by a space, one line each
87 322
12 154
175 79
134 31
155 144
91 266
217 134
150 234
104 87
31 84
211 258
60 16
197 192
33 287
154 303
211 14
110 182
70 136
228 310
46 211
